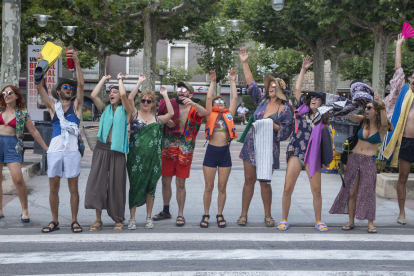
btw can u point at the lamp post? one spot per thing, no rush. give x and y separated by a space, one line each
278 5
161 73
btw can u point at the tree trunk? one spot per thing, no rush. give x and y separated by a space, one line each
10 65
102 72
319 68
334 75
379 61
150 49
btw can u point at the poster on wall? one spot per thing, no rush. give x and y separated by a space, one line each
34 103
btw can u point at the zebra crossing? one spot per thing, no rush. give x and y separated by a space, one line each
195 252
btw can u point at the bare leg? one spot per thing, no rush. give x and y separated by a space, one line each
209 176
352 202
181 193
1 190
294 166
74 197
166 189
21 188
223 177
132 212
405 168
266 191
315 183
54 184
248 188
150 203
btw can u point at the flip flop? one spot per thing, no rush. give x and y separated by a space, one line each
282 227
349 227
55 227
75 229
401 220
321 225
372 230
24 219
96 228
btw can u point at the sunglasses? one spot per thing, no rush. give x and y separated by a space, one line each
146 101
182 89
67 87
368 107
7 92
316 98
219 101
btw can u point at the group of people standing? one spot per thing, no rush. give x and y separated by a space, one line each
162 145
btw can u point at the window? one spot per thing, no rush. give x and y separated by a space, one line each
178 55
134 64
92 70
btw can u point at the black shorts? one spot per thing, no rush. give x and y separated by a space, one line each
217 157
407 149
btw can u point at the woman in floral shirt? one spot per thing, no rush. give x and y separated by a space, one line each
271 104
13 118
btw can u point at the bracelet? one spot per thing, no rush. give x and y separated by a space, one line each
121 79
381 106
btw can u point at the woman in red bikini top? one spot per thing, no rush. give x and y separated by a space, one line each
13 118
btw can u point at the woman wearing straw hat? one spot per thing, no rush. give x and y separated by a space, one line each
271 104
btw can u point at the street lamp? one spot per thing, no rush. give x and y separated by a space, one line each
70 30
161 71
42 19
235 24
222 30
278 5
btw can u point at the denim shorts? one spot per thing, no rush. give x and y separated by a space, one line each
217 157
8 152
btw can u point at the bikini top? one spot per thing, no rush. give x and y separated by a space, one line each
12 123
220 125
373 139
137 124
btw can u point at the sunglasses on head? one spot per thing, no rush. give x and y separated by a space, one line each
7 92
369 107
316 98
67 87
146 101
182 89
219 101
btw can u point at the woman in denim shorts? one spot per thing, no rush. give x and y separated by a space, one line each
13 118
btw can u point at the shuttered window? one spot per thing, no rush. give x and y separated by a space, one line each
177 57
136 64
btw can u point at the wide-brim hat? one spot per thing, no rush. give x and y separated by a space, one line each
280 86
186 85
318 95
62 81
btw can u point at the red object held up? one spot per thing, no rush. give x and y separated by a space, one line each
407 30
70 62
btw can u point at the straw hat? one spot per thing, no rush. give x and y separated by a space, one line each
62 81
280 86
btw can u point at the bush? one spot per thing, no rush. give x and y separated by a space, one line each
249 103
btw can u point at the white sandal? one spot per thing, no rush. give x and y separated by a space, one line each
132 225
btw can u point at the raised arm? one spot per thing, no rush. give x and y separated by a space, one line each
35 134
134 92
50 103
383 113
244 57
163 119
233 103
299 82
124 98
398 51
80 88
209 100
95 93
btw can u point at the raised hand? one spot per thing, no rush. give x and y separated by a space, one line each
307 62
164 92
141 78
106 77
244 56
213 76
72 54
377 99
232 75
400 40
39 56
121 76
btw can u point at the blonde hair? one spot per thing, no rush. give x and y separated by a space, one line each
150 94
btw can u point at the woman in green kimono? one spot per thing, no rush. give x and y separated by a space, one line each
144 157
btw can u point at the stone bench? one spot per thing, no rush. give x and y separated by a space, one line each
387 185
29 169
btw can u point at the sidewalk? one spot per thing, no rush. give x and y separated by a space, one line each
301 212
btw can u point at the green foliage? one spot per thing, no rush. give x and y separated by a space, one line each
249 103
177 74
202 102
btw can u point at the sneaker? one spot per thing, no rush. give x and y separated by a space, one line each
241 123
149 224
245 122
132 225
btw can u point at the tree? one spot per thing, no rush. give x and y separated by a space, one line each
382 18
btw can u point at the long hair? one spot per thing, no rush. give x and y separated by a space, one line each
19 100
378 118
150 94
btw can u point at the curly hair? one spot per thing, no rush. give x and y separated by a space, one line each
19 101
150 94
